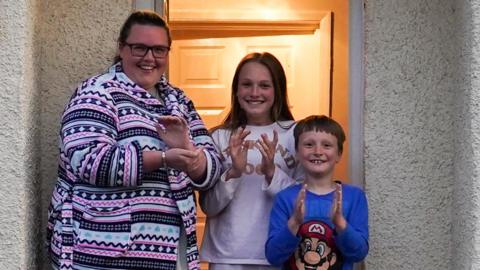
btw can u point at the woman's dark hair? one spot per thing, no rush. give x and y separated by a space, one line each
320 123
280 111
142 17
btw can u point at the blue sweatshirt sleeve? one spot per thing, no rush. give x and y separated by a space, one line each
353 241
281 243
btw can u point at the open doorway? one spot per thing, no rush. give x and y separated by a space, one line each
205 31
310 38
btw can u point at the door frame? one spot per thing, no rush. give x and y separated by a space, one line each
356 92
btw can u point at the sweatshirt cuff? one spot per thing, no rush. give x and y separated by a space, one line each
347 236
272 187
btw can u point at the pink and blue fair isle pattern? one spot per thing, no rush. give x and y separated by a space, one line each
106 212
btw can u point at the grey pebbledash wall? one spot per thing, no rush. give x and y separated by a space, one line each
421 122
465 213
422 133
47 48
410 92
19 129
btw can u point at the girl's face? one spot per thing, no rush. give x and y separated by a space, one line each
318 153
255 93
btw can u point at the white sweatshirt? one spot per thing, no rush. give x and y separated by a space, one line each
238 209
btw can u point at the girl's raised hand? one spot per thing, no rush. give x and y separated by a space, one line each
296 220
267 148
238 152
337 214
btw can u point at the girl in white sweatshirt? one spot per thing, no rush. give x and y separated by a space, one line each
258 153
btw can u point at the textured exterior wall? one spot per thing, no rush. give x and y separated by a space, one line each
466 208
18 135
422 78
409 140
78 39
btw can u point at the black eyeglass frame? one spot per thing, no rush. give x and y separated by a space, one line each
164 50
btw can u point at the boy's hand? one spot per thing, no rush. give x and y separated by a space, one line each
238 152
296 219
267 148
337 214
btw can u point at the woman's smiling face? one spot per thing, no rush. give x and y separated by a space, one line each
145 71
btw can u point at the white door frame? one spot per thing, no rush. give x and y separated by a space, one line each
158 6
356 92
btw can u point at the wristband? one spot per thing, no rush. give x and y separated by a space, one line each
164 160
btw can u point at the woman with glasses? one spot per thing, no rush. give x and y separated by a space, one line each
132 148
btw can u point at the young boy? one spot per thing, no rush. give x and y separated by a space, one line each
320 224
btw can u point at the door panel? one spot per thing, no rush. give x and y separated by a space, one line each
200 69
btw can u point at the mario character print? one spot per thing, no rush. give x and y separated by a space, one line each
317 250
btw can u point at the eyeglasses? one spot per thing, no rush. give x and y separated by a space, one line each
140 50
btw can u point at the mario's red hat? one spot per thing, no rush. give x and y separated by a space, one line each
320 230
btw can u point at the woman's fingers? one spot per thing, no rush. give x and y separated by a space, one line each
171 120
160 129
182 159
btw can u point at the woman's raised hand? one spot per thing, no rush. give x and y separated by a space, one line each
238 152
267 148
174 131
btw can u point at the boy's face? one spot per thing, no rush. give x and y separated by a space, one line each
318 153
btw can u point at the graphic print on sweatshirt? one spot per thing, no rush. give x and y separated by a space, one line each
317 250
254 157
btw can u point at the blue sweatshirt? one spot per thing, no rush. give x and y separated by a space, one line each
316 238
